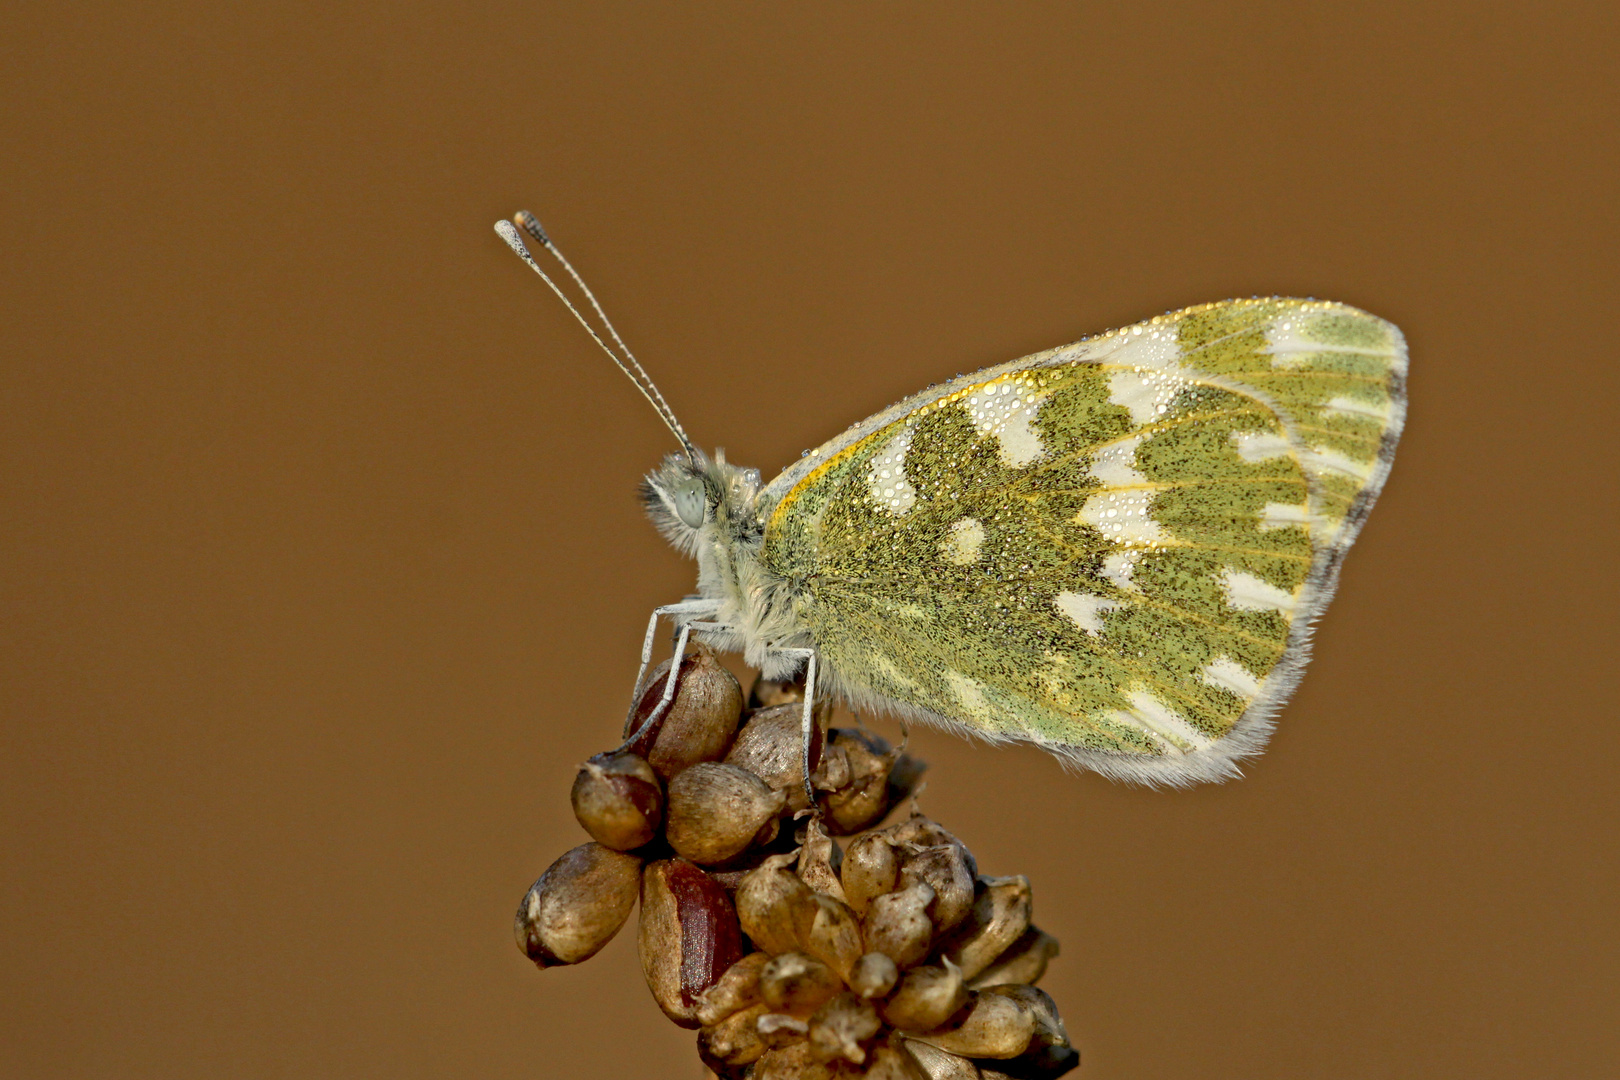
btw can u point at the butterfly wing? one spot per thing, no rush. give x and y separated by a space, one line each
1114 549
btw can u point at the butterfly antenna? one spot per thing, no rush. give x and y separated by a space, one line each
627 363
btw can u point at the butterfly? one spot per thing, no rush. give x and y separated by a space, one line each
1114 550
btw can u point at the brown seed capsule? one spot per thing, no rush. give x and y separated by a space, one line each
1024 961
618 800
926 998
780 1029
771 746
819 860
734 1040
798 984
926 832
874 975
936 1064
864 799
898 924
736 990
577 905
775 907
994 1026
945 868
839 1027
791 1062
698 724
893 1060
835 935
999 917
688 936
1049 1030
716 811
871 868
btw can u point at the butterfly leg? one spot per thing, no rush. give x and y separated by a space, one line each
808 723
689 607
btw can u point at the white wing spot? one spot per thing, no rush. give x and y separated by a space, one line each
970 694
1148 712
1146 392
1282 515
962 546
1228 674
1373 410
1255 446
886 475
1122 516
1085 610
1115 464
1289 348
1245 592
1320 459
1117 569
1006 410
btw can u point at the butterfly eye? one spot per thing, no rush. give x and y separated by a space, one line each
691 502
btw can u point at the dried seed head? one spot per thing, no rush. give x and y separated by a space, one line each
775 907
1043 1062
780 1029
936 1064
947 870
577 905
797 983
926 832
688 937
771 746
820 859
717 811
1024 961
617 798
994 1026
999 916
835 935
839 1027
926 998
699 724
791 1062
736 990
864 798
871 868
734 1040
874 975
1049 1030
899 924
892 1060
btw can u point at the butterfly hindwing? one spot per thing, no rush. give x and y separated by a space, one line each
1113 549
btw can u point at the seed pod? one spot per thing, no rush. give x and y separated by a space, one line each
936 1064
780 1029
999 917
689 936
775 907
926 998
717 811
791 1062
577 905
1049 1030
1036 1063
862 801
898 925
820 860
1024 961
893 1060
833 773
839 1027
871 868
994 1026
771 746
835 935
737 989
926 832
699 722
945 868
618 800
798 984
734 1040
874 975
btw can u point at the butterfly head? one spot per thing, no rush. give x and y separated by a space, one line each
698 500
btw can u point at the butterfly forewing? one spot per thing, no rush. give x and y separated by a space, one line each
1111 549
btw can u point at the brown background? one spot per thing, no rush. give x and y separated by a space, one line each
322 565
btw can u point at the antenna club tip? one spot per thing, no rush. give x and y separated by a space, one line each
508 232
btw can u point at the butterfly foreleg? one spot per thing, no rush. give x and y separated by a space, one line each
807 724
689 608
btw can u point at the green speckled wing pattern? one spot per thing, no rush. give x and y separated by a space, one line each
1113 549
